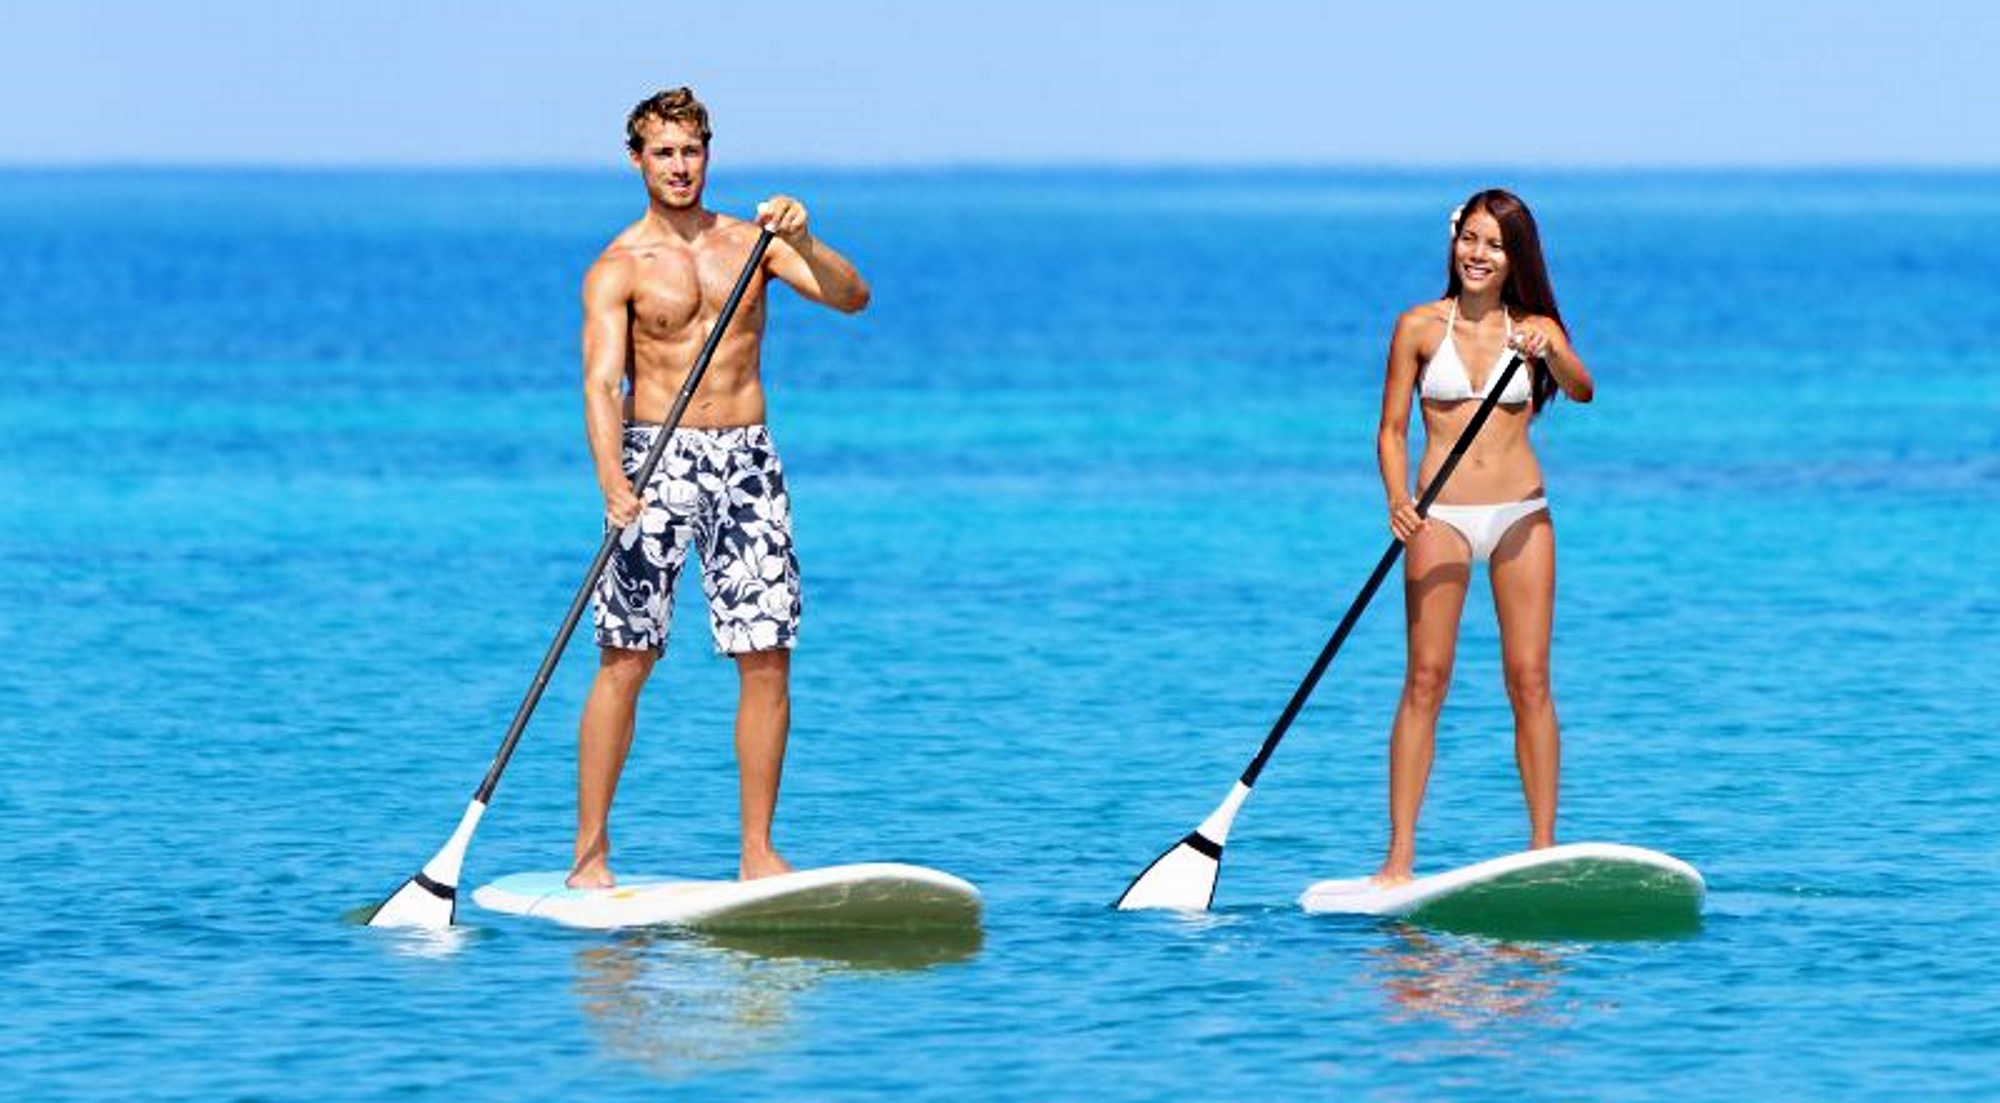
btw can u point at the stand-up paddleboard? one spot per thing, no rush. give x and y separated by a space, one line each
872 895
1581 890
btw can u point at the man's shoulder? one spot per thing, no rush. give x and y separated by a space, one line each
613 272
731 236
626 246
621 254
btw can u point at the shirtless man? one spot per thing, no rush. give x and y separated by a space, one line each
649 302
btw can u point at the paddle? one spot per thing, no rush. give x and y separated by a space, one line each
1184 877
430 898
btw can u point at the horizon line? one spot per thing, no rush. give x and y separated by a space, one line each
973 166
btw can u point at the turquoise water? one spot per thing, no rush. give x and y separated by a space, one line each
294 492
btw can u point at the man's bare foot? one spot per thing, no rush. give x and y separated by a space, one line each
763 864
591 875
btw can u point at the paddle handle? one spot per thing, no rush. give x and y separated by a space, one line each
1381 572
610 544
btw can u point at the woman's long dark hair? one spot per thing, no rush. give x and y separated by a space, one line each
1527 290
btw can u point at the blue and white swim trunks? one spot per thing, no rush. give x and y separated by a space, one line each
723 492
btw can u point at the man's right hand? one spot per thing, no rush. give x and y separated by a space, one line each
621 506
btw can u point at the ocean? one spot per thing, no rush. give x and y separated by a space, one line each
295 491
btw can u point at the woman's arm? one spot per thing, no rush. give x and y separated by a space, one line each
1392 438
1544 340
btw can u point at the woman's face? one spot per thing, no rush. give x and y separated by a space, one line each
1480 254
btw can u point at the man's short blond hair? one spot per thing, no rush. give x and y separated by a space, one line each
675 105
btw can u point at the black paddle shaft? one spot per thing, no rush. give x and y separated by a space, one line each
653 455
1367 594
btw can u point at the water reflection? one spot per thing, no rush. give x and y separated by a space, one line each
1469 981
677 1002
426 942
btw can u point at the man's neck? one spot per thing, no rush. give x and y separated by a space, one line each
684 223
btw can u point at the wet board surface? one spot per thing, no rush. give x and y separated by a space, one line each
1579 890
866 896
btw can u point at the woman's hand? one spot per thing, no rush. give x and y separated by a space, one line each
1534 337
1404 520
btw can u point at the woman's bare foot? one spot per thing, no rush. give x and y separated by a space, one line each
1397 865
1391 875
591 875
763 863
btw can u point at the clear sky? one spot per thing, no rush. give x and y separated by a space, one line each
882 82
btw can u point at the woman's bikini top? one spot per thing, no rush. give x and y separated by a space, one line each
1446 380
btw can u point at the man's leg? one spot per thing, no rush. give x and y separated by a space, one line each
763 720
604 736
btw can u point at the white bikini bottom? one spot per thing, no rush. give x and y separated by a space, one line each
1484 526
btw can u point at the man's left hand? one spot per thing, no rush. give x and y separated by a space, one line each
783 216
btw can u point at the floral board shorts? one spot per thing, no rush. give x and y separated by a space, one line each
722 491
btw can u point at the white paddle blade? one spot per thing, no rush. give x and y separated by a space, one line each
430 899
1182 879
421 902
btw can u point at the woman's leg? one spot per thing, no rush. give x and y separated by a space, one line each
1436 567
1523 569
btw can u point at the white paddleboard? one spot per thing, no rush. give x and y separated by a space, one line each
1579 890
872 895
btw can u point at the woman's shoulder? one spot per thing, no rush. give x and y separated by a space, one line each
1423 322
1431 312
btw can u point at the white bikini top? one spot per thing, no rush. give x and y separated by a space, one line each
1446 380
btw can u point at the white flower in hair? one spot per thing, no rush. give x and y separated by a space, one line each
1457 213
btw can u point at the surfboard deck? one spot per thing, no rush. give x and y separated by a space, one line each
864 896
1580 890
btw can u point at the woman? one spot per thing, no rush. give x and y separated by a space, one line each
1448 353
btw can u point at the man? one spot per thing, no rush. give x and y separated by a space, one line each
649 302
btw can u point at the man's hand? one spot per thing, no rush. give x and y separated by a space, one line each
621 506
783 216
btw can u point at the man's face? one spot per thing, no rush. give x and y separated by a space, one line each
674 160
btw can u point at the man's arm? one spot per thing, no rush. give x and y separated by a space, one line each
806 263
607 297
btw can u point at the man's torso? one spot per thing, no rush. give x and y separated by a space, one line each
677 293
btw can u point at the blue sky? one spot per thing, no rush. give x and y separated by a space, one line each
877 82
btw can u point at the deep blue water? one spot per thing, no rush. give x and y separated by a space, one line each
294 492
